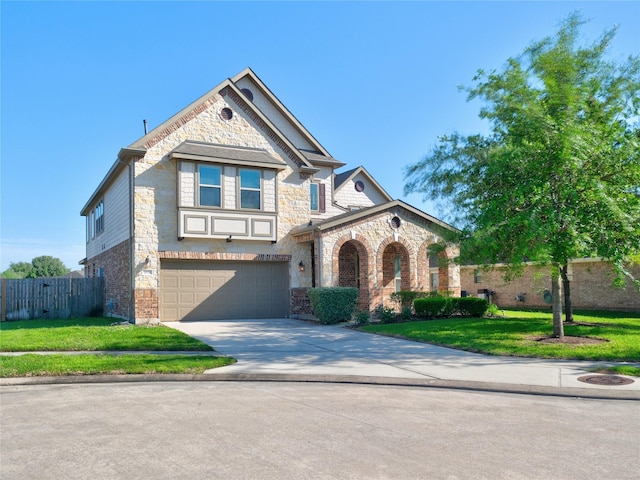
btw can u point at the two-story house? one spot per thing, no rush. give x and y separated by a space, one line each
232 209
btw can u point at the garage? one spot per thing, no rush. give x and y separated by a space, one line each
218 290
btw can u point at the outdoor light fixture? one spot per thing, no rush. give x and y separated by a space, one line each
229 239
301 266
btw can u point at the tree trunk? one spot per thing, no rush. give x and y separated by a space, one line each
556 302
566 286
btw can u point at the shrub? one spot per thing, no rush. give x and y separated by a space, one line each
448 306
387 315
362 317
333 304
431 306
472 306
405 298
406 313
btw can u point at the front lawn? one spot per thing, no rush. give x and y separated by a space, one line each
525 334
91 334
32 365
99 334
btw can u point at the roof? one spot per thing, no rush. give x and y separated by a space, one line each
341 178
255 157
349 217
227 87
317 158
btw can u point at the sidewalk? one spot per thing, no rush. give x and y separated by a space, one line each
294 350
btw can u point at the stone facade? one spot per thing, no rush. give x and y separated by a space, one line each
591 287
161 185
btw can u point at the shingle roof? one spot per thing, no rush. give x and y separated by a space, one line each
319 158
342 177
241 155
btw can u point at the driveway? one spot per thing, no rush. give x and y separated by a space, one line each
294 347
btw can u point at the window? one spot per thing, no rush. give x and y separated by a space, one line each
435 281
317 197
477 276
92 224
99 221
210 186
314 191
250 189
397 273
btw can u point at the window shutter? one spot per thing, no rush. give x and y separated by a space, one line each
321 197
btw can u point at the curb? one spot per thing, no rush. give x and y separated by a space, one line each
337 379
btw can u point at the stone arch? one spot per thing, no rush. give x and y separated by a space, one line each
446 269
352 257
386 276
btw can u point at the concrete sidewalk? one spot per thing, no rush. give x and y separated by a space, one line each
292 347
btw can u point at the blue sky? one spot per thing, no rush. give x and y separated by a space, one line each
374 82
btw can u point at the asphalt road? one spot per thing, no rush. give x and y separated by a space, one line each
235 430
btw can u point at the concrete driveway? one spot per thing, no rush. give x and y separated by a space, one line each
293 347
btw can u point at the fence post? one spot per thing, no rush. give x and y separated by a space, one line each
3 300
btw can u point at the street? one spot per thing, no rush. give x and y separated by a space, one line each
261 430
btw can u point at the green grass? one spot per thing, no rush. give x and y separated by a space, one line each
91 334
96 334
32 365
517 335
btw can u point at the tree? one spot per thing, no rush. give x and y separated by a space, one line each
558 176
18 270
46 266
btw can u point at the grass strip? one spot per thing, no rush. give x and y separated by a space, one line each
92 334
32 365
519 334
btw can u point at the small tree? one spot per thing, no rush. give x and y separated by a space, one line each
558 177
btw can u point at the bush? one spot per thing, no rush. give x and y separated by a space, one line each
448 306
405 298
387 315
333 304
472 306
431 306
362 317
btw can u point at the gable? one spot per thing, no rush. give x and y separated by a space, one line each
356 188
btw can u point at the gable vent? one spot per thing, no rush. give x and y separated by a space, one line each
248 93
226 113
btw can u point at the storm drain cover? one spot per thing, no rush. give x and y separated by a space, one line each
611 380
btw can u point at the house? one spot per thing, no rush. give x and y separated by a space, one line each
232 209
591 283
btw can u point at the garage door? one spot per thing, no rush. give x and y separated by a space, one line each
193 290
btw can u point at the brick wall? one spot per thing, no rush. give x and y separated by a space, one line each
591 287
115 264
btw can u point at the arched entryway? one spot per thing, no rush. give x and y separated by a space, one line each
396 270
353 270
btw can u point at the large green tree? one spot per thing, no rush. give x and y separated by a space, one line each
43 266
558 176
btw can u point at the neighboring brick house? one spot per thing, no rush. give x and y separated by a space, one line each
232 209
591 286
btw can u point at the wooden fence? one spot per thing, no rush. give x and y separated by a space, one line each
32 298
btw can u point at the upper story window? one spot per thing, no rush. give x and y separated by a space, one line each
100 218
250 189
210 185
316 197
95 221
314 191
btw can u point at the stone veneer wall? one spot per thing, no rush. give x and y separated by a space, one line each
591 287
115 265
374 234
